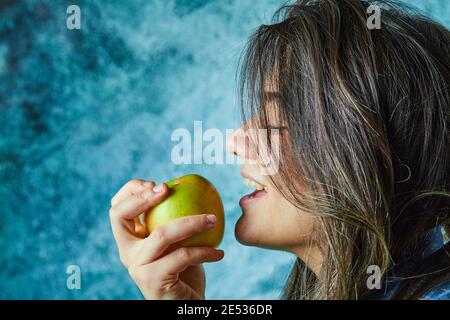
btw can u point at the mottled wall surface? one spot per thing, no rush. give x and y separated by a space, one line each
83 111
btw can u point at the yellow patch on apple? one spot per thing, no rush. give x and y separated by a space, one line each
189 195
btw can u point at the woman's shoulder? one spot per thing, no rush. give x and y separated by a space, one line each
440 292
425 273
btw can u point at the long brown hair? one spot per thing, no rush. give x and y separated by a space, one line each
368 133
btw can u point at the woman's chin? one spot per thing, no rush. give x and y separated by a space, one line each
244 232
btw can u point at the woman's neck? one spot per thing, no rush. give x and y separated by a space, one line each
311 256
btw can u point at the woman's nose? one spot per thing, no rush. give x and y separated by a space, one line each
240 144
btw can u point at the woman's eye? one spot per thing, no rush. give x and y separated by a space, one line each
277 127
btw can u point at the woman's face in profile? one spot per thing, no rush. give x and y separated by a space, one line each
268 219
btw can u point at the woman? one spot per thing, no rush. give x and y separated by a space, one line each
362 186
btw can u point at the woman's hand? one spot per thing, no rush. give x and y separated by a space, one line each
159 271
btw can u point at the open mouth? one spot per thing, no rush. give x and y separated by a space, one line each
259 192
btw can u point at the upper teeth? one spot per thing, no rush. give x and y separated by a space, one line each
254 184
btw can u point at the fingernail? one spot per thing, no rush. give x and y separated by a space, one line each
220 253
158 188
211 219
147 184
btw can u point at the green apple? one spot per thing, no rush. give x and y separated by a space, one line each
190 195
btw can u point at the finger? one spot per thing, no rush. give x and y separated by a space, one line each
136 204
152 247
179 260
140 228
123 213
130 188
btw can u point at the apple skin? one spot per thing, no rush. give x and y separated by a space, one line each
190 195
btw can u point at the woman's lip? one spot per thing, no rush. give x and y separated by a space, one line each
252 196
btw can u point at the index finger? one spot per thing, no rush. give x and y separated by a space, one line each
131 187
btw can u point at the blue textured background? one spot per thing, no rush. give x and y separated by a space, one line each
82 112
